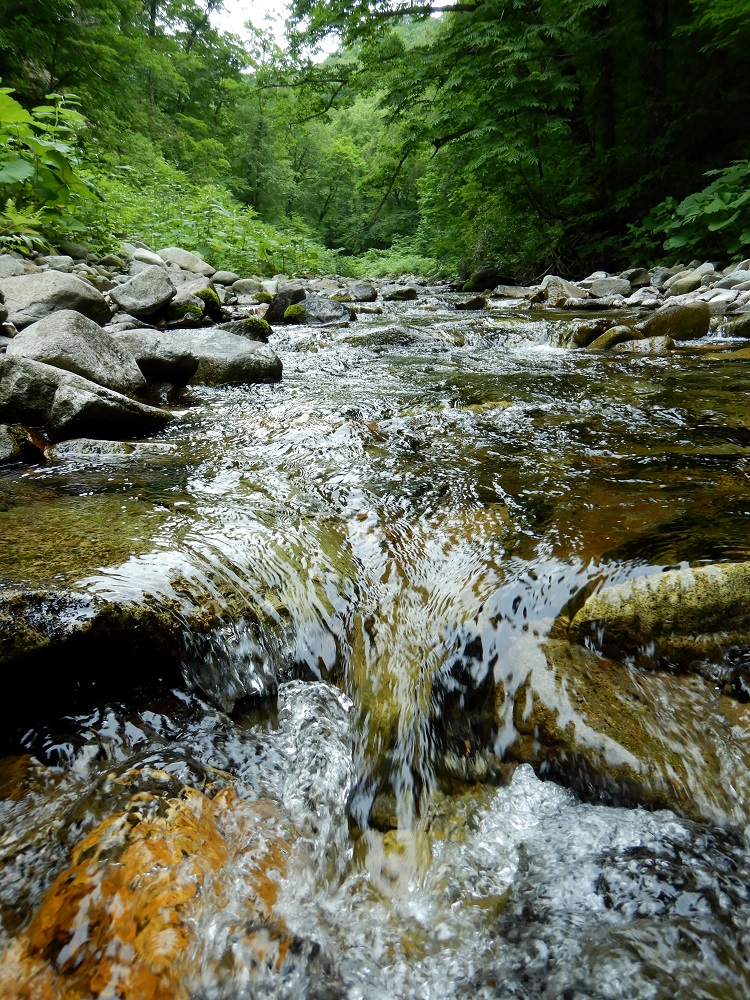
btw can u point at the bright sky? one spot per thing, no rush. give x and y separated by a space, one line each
270 14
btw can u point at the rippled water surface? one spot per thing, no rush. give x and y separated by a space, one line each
387 539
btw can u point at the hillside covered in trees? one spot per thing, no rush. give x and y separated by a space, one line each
529 135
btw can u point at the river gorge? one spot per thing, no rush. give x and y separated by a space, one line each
388 766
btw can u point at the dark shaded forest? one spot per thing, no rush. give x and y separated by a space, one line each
529 135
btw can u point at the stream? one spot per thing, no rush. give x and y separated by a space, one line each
387 540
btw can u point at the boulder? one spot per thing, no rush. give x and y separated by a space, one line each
148 257
247 287
739 326
146 292
321 310
679 320
485 277
70 341
476 302
31 297
615 335
10 267
281 301
735 278
638 277
186 260
12 443
68 405
399 293
225 277
557 291
678 617
651 739
651 345
220 358
683 286
362 291
587 331
604 287
514 292
661 275
58 262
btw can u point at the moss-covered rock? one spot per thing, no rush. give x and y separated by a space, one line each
612 337
211 301
264 297
658 740
678 617
256 328
295 313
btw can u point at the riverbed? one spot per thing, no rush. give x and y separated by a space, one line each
388 541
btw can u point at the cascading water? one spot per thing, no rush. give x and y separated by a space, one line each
391 542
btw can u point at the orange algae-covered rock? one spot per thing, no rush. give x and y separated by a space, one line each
119 921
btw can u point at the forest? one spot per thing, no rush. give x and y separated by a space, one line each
528 135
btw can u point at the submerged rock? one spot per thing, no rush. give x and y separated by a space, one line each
678 617
614 336
655 740
645 345
31 297
70 341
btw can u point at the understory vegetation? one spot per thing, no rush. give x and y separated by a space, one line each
528 134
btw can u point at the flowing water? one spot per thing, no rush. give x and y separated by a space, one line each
387 539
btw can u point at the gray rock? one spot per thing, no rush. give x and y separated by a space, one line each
248 287
646 296
222 358
148 257
661 275
75 250
321 310
735 278
739 326
651 345
145 293
10 267
31 297
514 292
637 276
282 300
557 291
68 405
70 341
594 305
58 262
685 285
680 321
225 277
186 260
113 260
362 291
399 293
475 302
603 288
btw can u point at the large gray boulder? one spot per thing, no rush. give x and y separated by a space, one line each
31 297
146 292
399 293
362 291
68 340
186 260
321 310
67 405
10 267
221 358
679 320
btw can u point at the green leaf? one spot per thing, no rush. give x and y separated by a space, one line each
11 112
16 171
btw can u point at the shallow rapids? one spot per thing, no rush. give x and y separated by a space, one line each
391 541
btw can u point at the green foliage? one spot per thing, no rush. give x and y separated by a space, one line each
40 188
713 220
160 205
